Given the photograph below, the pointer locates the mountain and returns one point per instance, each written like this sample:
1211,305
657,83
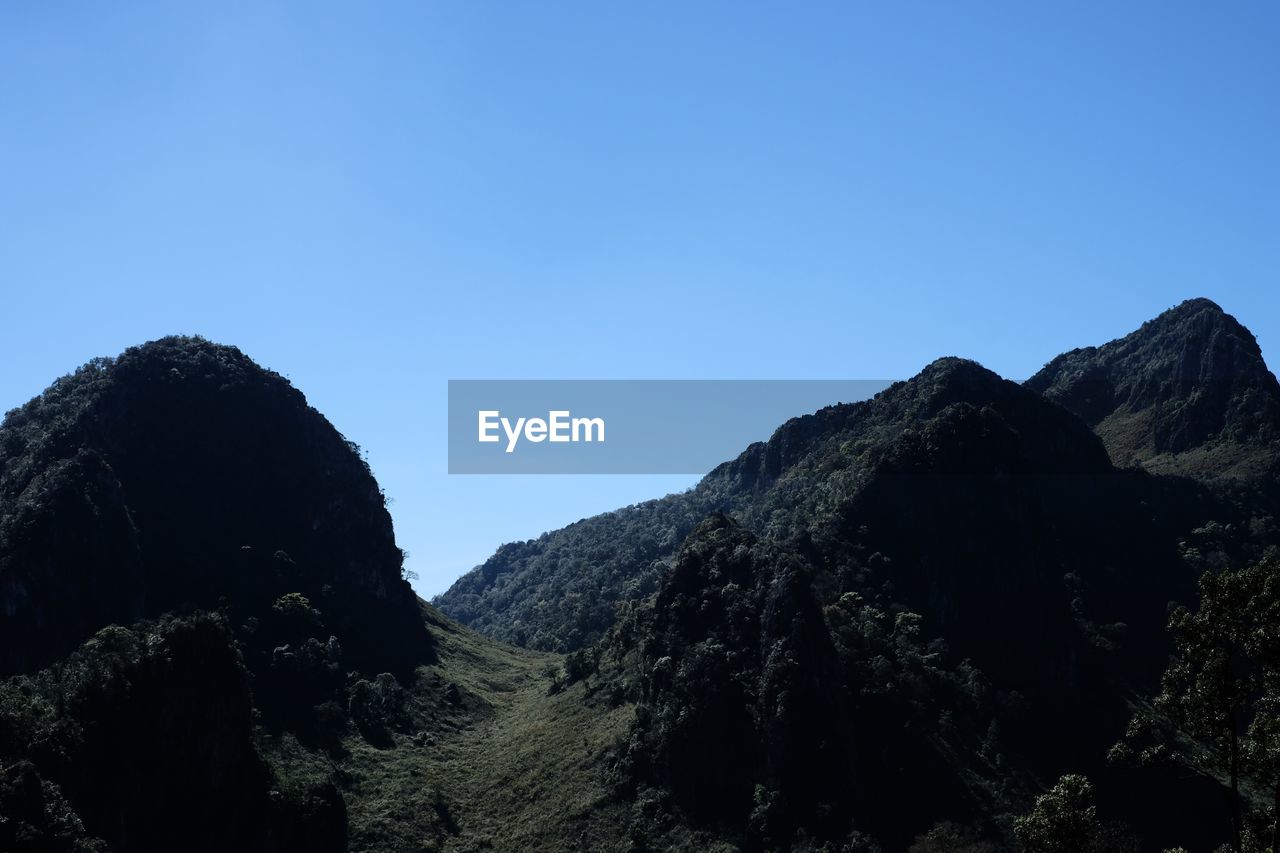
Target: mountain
1187,393
187,549
988,515
209,645
890,627
559,592
969,546
182,475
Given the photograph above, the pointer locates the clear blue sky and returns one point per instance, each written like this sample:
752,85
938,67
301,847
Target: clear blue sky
372,198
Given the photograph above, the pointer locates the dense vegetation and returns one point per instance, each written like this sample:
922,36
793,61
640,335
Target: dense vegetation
559,592
1046,570
990,515
939,620
143,736
182,483
181,474
780,722
1188,393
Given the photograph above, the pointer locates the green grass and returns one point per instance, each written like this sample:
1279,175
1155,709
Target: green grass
508,767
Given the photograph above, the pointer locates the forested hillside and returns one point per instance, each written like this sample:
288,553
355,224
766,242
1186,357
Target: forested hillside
1188,393
967,615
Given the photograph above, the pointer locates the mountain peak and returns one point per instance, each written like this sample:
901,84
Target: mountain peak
952,376
951,364
1194,318
956,368
1188,392
1195,304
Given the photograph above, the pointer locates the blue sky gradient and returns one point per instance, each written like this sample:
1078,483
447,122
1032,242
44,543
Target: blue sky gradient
374,198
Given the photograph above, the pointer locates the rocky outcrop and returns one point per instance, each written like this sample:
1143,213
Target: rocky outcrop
1187,393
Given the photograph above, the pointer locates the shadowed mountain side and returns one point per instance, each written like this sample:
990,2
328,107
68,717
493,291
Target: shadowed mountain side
560,590
182,475
896,620
956,506
142,739
775,722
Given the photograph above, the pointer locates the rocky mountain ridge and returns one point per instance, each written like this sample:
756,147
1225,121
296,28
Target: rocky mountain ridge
1187,394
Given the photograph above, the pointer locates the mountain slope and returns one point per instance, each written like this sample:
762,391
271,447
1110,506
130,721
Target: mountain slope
980,511
901,617
214,649
183,475
956,506
193,565
560,591
1188,393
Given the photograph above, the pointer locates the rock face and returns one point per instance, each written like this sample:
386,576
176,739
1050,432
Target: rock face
1187,393
182,475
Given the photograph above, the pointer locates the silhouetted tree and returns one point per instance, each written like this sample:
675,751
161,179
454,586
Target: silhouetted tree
1218,713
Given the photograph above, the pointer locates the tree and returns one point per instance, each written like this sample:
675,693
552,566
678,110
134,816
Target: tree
948,837
1064,820
1218,713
